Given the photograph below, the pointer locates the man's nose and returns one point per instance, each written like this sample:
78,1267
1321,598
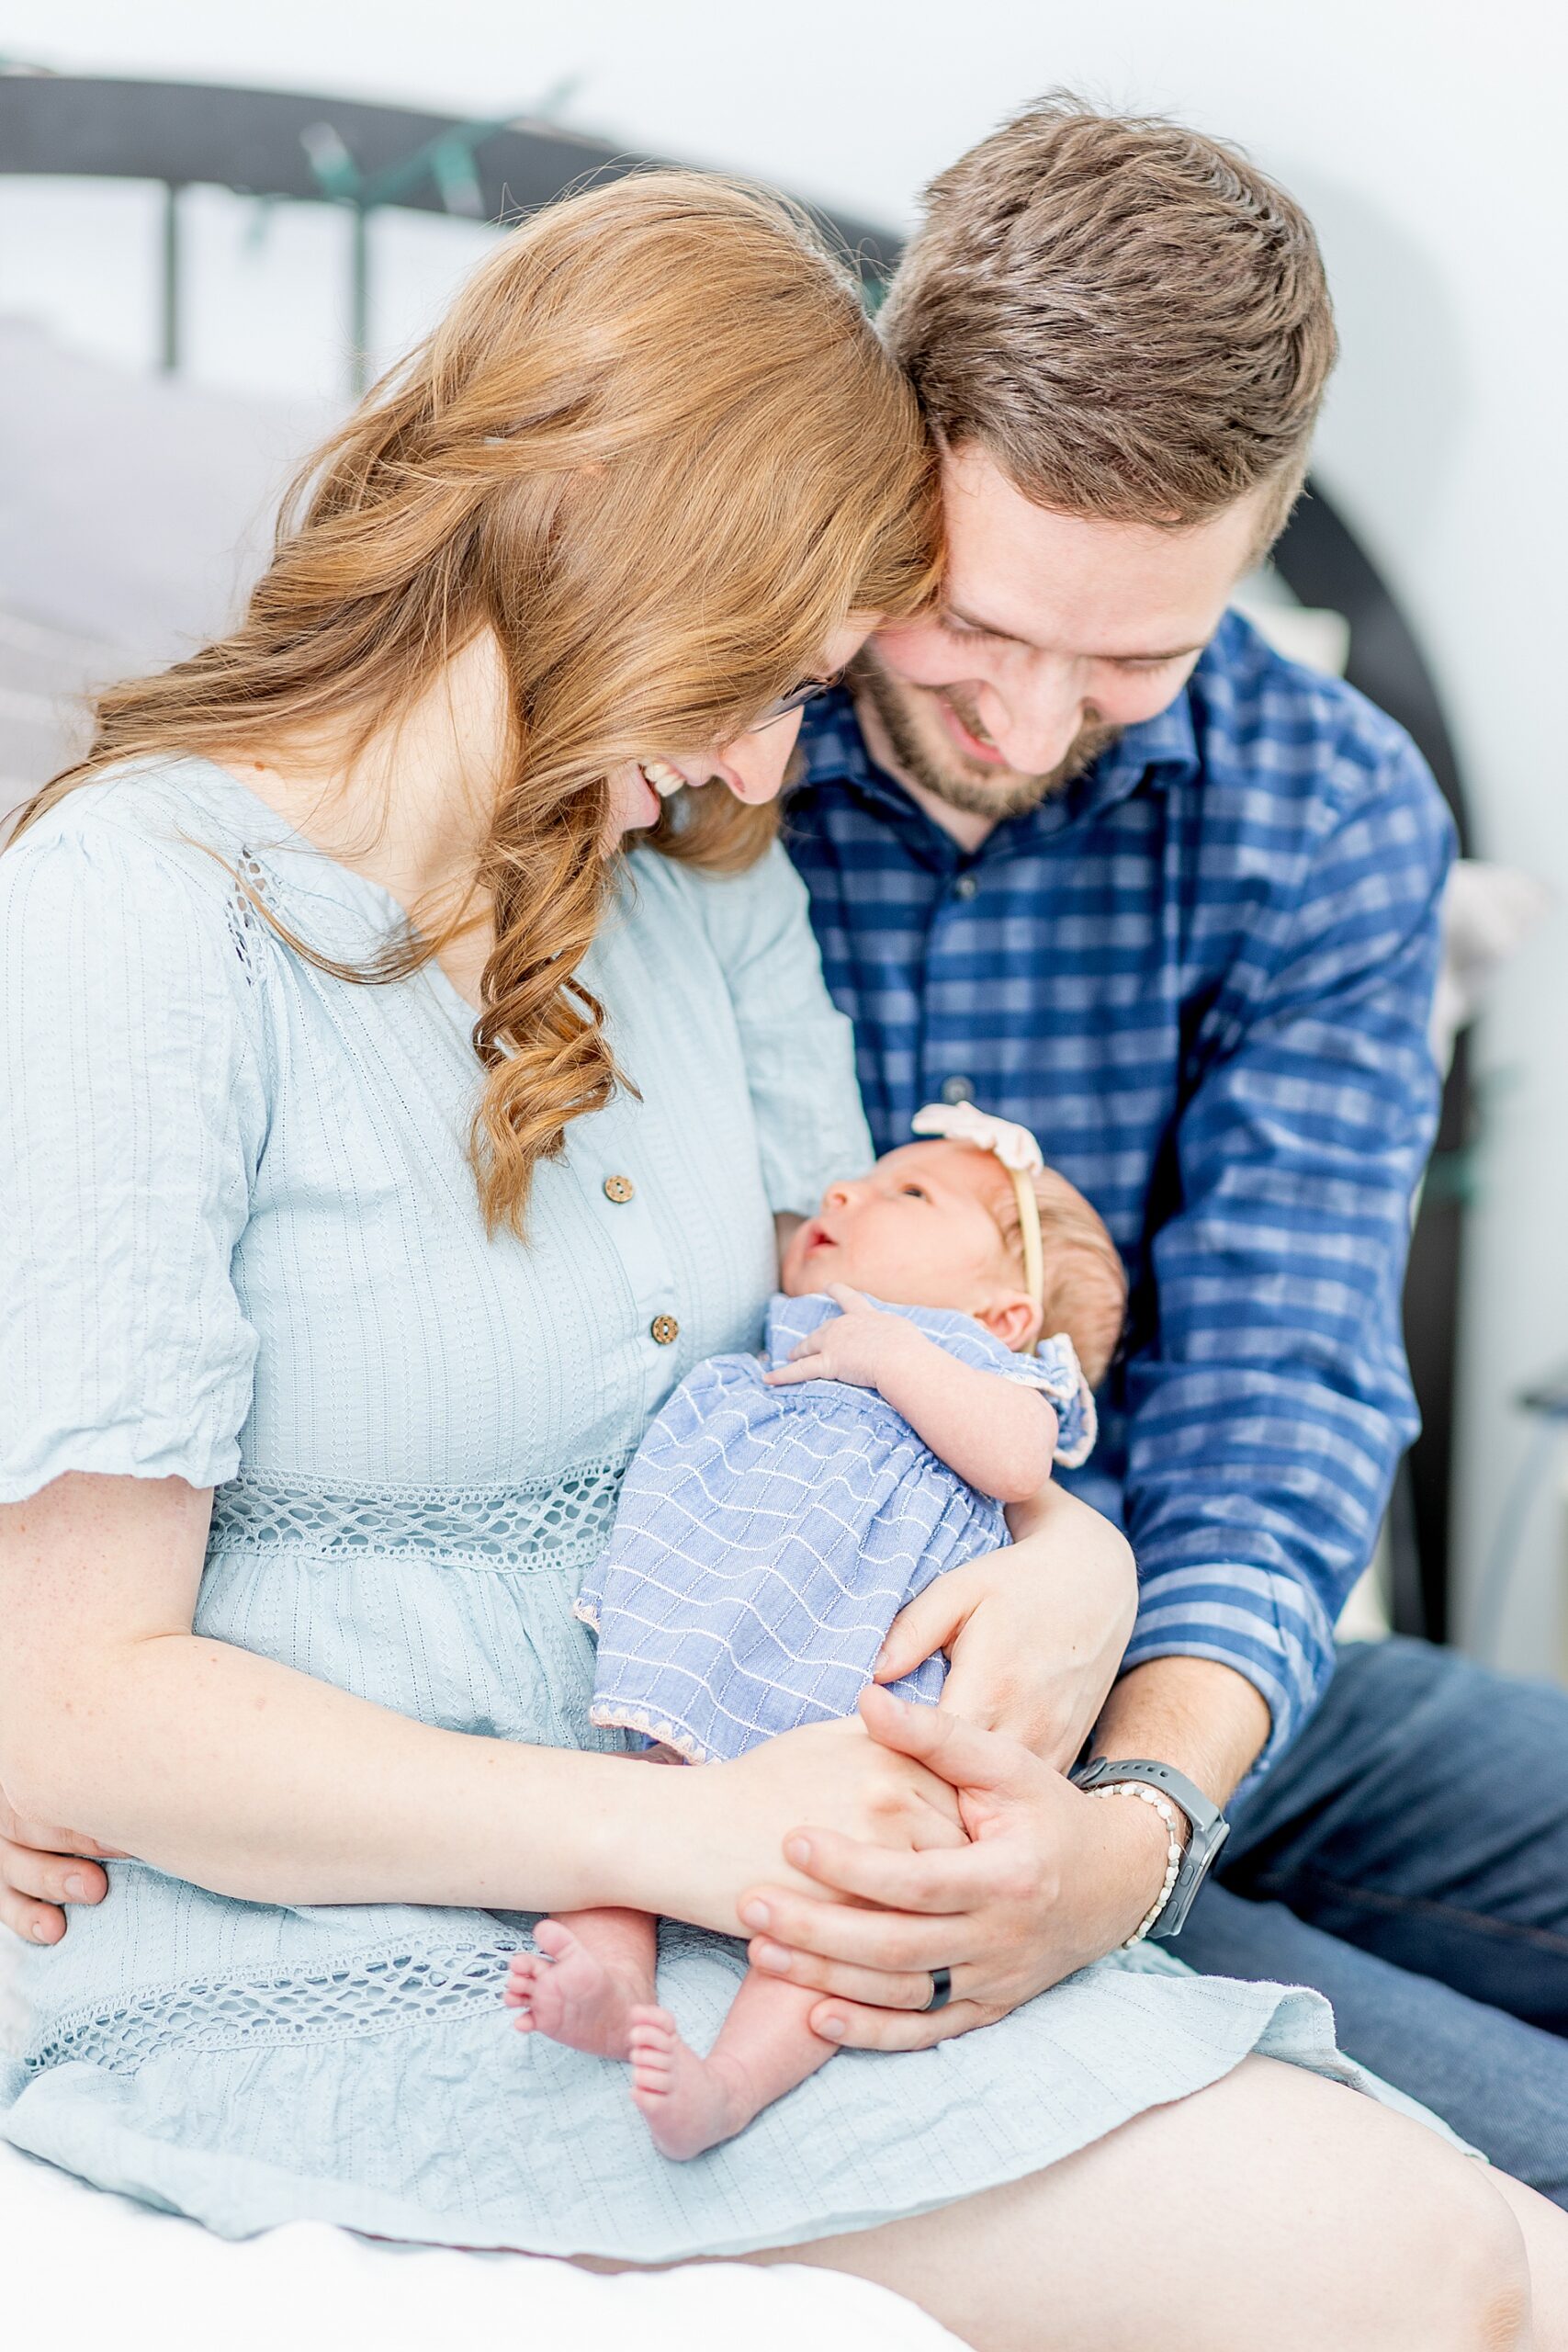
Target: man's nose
1036,715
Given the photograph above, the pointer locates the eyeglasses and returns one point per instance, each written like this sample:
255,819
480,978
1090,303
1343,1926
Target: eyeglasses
810,690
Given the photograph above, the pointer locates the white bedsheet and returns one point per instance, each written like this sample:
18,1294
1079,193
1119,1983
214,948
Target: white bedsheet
80,2271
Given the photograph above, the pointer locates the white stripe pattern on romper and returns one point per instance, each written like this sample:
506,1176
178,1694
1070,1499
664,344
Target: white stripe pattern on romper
767,1538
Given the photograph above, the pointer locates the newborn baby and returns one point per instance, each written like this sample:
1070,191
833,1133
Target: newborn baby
781,1512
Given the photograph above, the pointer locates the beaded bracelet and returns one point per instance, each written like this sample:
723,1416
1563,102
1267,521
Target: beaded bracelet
1168,1813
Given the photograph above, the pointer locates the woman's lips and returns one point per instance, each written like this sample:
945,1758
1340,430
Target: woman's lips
986,754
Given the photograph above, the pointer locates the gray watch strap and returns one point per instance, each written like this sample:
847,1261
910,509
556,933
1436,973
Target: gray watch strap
1209,1826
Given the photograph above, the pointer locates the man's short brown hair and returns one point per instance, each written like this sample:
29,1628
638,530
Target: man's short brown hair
1128,317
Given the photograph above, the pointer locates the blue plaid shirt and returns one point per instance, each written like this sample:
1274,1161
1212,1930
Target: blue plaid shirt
1202,975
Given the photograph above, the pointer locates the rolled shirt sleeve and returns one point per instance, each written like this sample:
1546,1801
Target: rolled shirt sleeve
1268,1409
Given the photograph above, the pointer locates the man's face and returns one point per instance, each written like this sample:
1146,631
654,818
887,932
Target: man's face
1054,632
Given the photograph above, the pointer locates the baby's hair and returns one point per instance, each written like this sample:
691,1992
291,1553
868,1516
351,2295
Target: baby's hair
1085,1282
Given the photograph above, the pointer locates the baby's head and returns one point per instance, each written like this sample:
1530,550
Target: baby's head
939,1223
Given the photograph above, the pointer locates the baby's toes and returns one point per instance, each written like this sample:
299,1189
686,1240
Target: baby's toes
521,1976
651,2040
657,2025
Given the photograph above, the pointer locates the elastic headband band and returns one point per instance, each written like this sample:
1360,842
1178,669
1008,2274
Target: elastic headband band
1033,1240
1019,1155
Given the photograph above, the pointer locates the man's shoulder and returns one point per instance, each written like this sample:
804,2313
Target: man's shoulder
1300,777
1259,718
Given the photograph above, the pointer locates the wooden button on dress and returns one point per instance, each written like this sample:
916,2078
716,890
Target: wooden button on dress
664,1328
619,1188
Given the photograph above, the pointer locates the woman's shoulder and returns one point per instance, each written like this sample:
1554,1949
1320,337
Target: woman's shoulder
165,827
729,905
131,881
756,925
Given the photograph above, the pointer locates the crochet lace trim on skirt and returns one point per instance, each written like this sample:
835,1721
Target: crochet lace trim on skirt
375,1994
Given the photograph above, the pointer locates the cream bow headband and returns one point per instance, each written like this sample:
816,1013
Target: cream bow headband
1019,1155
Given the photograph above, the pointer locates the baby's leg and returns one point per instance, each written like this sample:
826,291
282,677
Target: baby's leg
764,2048
595,1976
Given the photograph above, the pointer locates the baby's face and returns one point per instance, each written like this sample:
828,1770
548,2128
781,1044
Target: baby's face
919,1231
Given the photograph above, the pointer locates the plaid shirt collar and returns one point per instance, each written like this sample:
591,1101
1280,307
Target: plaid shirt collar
1158,751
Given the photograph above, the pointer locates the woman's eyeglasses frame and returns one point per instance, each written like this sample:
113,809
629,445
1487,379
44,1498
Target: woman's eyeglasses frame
810,690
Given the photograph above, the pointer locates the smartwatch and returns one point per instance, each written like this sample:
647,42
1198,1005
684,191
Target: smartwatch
1209,1826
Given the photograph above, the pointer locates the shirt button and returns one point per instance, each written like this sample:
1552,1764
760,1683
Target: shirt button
958,1089
664,1328
619,1188
966,885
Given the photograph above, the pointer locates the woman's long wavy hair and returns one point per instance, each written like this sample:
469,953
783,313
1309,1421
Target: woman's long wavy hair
657,450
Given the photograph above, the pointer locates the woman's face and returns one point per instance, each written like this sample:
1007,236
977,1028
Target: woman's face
751,766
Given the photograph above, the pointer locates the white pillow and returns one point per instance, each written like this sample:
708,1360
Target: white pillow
133,507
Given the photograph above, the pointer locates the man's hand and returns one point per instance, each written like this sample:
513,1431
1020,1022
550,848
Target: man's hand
1035,1633
41,1870
861,1344
1053,1879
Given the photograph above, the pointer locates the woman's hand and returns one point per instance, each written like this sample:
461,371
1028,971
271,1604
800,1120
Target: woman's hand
1053,1879
698,1839
41,1870
1035,1633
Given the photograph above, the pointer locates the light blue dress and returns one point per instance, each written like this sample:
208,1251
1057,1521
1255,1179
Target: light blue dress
766,1538
240,1245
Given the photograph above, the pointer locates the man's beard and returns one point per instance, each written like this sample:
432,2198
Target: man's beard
978,791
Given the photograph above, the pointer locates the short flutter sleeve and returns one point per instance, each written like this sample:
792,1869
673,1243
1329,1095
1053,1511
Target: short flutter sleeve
800,1051
132,1109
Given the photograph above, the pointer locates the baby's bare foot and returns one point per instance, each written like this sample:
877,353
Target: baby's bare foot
570,1994
689,2103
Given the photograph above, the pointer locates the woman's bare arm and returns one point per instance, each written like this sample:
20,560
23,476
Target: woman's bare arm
251,1779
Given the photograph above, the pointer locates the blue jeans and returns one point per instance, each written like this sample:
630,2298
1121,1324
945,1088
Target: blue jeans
1409,1857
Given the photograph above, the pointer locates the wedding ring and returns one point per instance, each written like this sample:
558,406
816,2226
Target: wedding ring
941,1988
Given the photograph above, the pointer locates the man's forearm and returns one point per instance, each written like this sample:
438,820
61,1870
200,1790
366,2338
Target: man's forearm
1205,1719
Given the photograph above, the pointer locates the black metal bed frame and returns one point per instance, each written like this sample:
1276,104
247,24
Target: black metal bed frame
296,147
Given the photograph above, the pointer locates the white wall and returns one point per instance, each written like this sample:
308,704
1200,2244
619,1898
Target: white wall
1425,136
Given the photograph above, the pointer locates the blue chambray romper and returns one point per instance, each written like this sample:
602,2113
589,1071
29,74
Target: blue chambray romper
766,1538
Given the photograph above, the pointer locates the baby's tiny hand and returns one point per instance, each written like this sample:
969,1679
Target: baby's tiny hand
859,1345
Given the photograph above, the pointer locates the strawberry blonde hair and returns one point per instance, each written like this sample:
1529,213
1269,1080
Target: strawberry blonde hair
656,449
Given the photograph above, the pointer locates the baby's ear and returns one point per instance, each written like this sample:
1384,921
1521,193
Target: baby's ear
1013,1318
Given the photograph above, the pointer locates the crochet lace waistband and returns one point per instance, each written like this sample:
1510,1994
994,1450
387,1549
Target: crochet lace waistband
566,1519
